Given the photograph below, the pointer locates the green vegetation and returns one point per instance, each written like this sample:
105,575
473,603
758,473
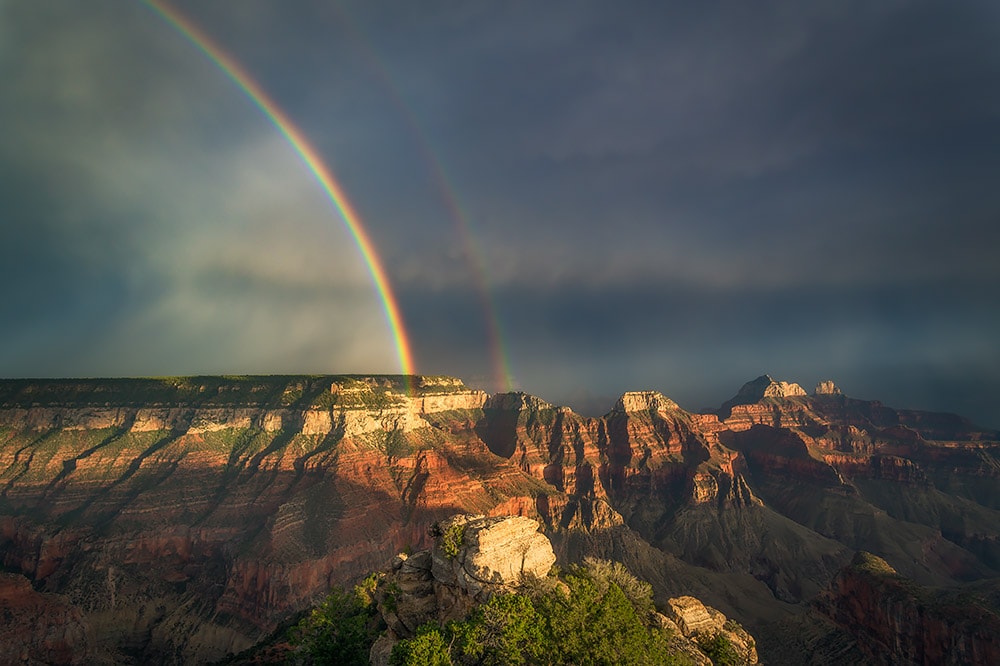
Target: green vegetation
452,540
866,562
393,444
597,614
272,391
340,630
720,650
586,619
604,574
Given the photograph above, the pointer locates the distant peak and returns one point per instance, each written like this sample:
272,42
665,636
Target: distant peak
766,387
763,387
644,401
827,387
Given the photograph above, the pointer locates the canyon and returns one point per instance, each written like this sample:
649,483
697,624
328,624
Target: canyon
181,520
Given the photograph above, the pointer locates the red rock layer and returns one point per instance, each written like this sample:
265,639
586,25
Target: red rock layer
193,528
897,622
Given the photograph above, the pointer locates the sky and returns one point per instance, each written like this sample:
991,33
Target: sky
573,199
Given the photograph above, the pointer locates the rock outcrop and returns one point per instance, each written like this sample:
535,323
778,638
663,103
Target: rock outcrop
40,628
898,622
189,516
644,401
696,621
481,555
475,557
472,558
763,387
826,387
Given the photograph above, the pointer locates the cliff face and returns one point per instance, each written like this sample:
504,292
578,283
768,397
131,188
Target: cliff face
190,527
182,518
60,634
898,622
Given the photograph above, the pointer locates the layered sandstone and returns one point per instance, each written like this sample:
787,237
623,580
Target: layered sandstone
898,622
188,516
483,555
242,512
763,387
694,620
43,628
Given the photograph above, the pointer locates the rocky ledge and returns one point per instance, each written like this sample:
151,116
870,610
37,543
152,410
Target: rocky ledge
476,557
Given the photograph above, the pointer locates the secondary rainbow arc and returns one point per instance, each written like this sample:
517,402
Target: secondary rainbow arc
503,377
297,139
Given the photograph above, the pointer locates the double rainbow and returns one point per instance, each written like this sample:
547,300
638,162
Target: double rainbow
312,159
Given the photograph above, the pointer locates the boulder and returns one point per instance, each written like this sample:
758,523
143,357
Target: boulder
692,617
482,555
694,620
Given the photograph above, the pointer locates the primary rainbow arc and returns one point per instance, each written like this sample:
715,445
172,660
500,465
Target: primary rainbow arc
232,69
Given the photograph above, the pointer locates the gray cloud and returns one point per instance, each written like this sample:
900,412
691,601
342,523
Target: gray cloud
150,241
659,196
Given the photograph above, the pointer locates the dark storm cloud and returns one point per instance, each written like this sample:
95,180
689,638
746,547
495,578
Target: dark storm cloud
661,195
700,345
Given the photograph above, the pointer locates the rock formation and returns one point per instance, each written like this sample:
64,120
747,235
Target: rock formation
42,628
472,558
475,557
763,387
481,555
694,620
190,516
826,388
899,622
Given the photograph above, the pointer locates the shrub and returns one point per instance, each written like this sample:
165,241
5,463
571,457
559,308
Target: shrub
453,539
590,627
427,648
604,574
338,631
504,630
393,444
720,649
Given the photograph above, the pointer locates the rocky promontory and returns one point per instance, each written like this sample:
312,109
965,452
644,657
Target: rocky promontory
474,558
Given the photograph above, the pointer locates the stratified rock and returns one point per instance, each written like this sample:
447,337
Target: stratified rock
644,401
482,555
692,617
764,400
207,510
765,387
896,621
190,516
38,628
695,620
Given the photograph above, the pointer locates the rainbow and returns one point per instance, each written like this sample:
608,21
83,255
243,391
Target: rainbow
502,376
231,68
